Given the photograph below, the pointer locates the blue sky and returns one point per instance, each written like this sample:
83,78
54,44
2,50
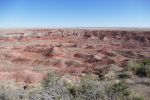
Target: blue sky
74,13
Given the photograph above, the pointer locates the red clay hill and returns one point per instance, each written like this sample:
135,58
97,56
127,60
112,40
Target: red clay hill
27,55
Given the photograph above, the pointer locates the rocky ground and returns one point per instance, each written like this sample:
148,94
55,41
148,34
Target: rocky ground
27,55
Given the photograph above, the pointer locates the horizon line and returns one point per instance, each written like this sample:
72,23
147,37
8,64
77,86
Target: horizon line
85,28
69,27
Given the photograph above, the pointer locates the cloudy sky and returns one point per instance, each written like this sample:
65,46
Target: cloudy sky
74,13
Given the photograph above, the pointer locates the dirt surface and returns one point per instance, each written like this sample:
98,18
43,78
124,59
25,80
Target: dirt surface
27,55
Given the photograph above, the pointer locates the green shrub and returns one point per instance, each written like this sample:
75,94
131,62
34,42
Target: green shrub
87,89
90,89
73,90
146,62
141,68
124,75
118,91
55,88
138,98
133,66
50,79
10,92
143,71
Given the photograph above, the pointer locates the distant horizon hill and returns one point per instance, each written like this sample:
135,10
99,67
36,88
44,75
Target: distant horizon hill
88,28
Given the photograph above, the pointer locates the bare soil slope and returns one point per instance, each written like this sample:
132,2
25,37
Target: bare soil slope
26,55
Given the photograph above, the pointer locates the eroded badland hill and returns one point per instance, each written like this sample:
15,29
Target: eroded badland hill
27,55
